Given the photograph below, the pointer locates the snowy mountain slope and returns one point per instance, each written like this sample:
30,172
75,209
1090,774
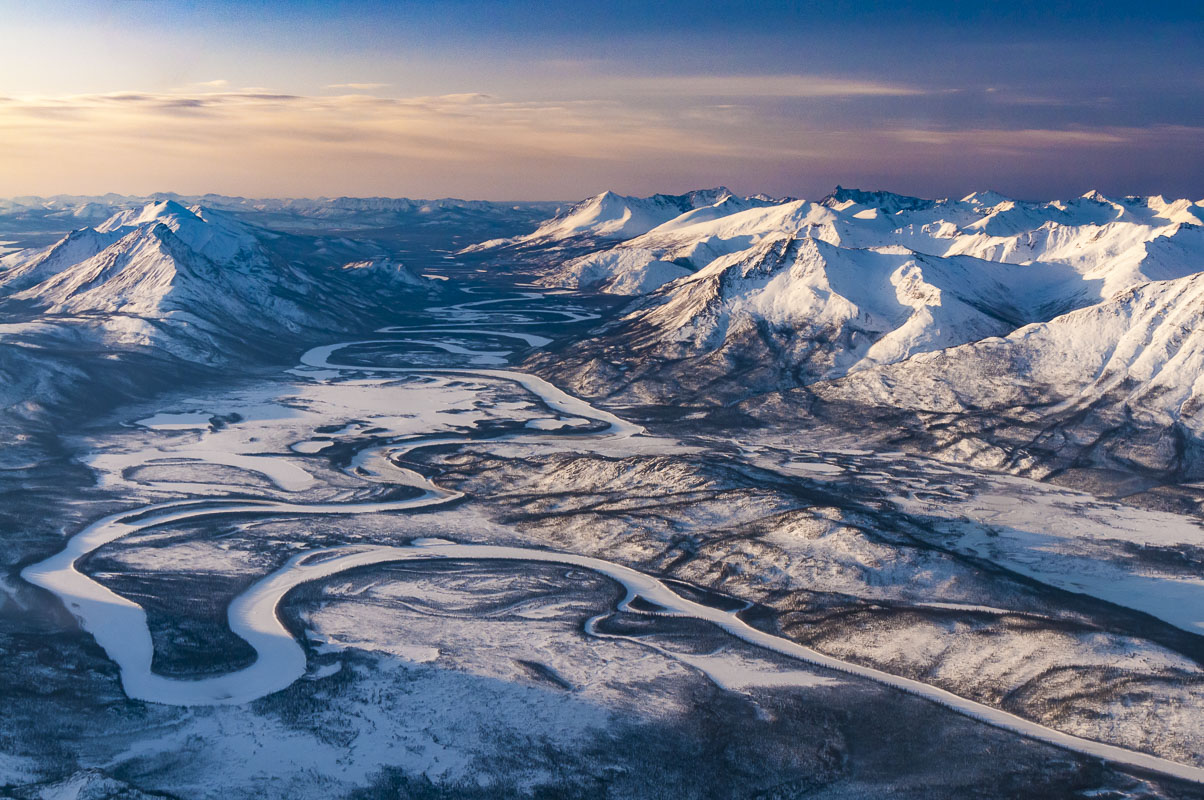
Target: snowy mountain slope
1033,336
168,259
1114,256
823,311
384,273
614,217
889,203
1111,244
1140,354
1106,398
186,279
792,310
21,270
54,366
686,244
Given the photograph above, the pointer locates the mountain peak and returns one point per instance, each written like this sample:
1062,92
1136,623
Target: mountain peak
710,196
154,211
987,199
888,202
385,270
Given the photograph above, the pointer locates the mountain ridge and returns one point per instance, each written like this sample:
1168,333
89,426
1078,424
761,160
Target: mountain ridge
193,280
986,328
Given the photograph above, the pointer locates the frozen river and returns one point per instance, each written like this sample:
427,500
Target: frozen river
119,624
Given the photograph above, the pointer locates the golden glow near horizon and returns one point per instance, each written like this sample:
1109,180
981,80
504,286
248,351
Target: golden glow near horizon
460,98
262,143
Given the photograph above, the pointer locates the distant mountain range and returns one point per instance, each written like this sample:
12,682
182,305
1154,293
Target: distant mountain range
467,221
637,245
194,281
1033,337
1059,321
161,294
610,217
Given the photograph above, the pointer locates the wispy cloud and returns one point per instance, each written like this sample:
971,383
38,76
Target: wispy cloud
1015,98
798,86
358,87
218,83
1020,139
260,142
476,144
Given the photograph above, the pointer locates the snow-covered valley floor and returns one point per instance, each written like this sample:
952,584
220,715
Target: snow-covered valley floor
401,562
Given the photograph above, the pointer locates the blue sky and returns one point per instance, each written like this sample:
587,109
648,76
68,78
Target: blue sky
560,100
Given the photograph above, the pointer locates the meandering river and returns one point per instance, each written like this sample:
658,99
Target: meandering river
119,625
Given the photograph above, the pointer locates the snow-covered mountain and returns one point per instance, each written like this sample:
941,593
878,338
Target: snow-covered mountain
1068,316
1032,317
385,274
191,280
40,219
1090,380
1113,244
159,294
683,245
830,310
818,290
1143,348
610,217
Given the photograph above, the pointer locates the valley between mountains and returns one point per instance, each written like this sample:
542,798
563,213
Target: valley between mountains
683,496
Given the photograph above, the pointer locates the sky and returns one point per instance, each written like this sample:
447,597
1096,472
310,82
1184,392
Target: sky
561,100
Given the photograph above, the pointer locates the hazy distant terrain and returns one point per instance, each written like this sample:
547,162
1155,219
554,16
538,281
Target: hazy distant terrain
682,496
